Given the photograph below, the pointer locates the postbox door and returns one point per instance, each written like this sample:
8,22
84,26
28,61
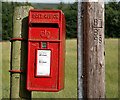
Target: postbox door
46,39
43,70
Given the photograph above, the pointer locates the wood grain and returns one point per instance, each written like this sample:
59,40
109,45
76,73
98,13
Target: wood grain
93,51
19,54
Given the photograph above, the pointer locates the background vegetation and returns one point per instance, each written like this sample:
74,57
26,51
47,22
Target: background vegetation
112,18
7,18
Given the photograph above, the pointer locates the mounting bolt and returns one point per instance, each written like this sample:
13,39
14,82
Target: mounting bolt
82,76
18,18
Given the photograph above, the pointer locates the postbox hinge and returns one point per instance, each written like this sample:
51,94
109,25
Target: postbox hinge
14,71
19,39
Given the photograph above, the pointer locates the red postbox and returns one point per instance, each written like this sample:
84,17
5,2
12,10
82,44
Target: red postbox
46,50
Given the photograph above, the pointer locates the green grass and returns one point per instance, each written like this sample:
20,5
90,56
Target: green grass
111,67
5,69
70,91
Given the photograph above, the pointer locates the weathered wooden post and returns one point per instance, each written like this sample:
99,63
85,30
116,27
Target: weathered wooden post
19,54
118,68
1,50
93,51
79,51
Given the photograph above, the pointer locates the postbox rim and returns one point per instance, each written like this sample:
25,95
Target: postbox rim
46,10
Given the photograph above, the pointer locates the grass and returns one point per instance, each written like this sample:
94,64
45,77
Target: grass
111,67
70,91
5,69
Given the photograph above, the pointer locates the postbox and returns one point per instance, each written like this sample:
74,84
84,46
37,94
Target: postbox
46,50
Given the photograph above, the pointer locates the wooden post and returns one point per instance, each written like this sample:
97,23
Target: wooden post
79,51
0,69
118,68
93,51
19,54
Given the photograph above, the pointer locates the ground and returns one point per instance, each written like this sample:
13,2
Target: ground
70,91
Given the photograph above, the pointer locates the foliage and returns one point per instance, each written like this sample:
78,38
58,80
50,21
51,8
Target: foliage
60,6
112,19
7,18
70,13
27,4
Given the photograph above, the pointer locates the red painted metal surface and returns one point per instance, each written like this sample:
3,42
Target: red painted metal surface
14,71
46,26
19,39
48,16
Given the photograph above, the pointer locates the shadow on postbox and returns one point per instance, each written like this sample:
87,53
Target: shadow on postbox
46,50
